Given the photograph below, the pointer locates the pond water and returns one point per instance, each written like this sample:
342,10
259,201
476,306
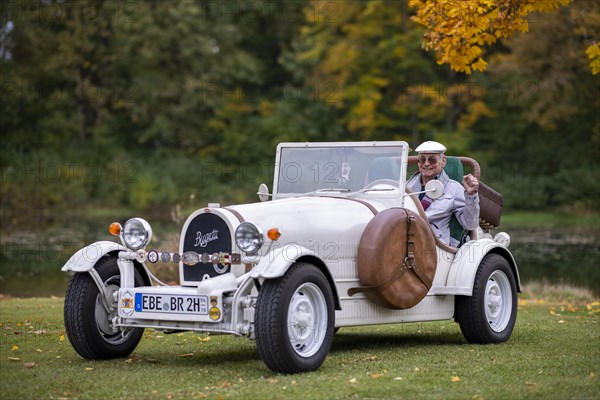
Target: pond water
31,255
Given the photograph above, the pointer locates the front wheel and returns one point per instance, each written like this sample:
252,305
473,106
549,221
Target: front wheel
88,324
294,320
489,315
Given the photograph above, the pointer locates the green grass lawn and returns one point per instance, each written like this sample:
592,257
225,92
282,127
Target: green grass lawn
547,218
554,353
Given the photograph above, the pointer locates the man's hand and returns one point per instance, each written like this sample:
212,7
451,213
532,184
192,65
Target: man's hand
471,184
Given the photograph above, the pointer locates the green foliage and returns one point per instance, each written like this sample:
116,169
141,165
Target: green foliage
147,104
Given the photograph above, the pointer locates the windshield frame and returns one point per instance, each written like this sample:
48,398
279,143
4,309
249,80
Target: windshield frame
395,146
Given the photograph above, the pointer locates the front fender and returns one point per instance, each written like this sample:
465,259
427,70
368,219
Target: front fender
85,259
461,276
276,262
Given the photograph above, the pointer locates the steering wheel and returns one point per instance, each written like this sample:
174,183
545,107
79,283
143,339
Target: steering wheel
382,182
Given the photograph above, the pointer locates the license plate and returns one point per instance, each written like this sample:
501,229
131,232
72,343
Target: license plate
171,304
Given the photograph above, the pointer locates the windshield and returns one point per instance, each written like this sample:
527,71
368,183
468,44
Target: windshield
338,168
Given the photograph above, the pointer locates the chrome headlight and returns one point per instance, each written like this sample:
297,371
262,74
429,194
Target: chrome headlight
249,237
137,233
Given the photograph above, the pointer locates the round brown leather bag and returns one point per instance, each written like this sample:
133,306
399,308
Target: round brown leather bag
396,259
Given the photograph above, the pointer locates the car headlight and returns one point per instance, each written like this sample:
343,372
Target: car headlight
249,237
136,233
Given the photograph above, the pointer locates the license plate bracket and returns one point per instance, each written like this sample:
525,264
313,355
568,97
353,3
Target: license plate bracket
149,303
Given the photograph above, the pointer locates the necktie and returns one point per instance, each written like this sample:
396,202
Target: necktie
425,201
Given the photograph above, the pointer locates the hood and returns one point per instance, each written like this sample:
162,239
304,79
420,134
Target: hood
310,219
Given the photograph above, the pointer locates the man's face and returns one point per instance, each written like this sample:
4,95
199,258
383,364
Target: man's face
431,165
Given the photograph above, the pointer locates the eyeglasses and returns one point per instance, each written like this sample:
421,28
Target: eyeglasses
432,160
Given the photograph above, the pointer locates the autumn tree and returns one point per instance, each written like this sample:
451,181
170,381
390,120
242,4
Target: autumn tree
459,30
367,59
545,101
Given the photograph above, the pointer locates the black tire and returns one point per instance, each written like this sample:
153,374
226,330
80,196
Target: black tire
489,315
86,321
294,320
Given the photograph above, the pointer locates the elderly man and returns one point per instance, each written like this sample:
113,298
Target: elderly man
459,200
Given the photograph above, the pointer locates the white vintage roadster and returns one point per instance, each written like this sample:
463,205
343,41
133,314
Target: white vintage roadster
341,243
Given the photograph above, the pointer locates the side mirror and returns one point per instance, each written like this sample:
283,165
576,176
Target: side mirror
263,192
434,189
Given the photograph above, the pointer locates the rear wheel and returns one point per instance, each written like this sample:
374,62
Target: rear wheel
489,315
294,320
88,325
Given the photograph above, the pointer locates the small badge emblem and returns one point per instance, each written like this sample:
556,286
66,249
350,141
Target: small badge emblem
203,240
127,304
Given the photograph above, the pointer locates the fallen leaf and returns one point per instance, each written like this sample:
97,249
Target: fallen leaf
204,339
455,379
353,380
370,358
89,369
40,332
398,378
14,359
561,321
61,338
29,365
134,358
375,376
14,348
592,375
185,355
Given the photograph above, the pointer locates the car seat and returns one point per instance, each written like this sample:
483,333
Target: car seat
455,171
383,168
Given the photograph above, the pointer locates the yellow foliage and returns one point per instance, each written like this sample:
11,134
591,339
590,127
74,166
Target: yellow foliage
457,29
593,53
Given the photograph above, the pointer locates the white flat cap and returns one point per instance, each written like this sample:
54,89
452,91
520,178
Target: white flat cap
430,147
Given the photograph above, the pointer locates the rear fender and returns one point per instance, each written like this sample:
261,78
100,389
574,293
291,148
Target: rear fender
461,276
85,259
